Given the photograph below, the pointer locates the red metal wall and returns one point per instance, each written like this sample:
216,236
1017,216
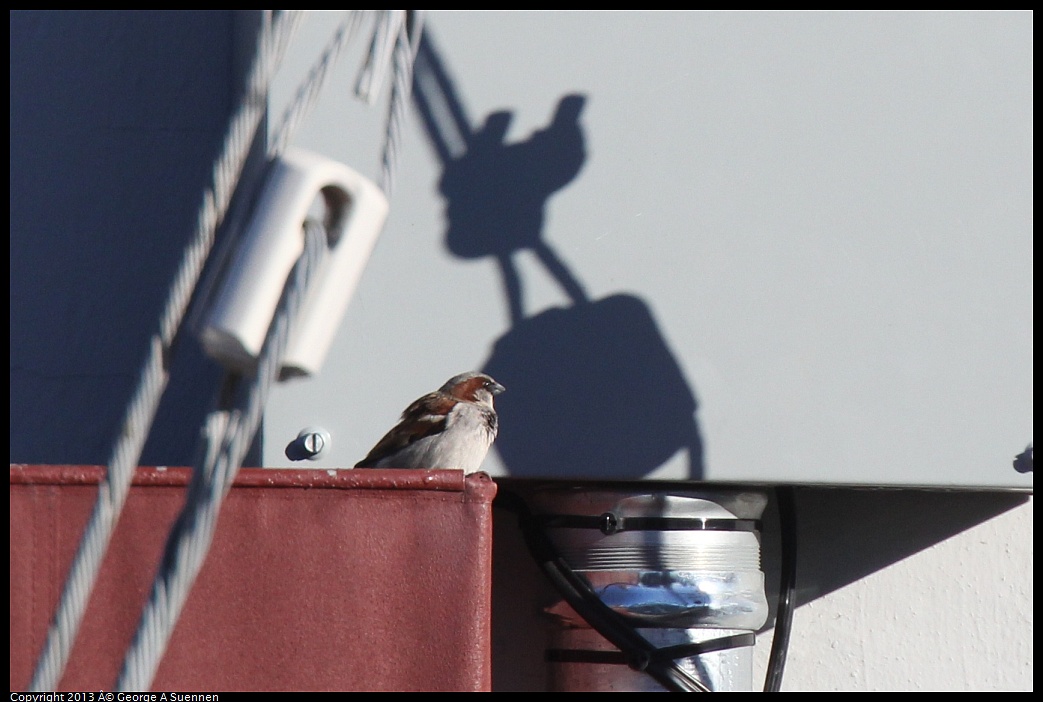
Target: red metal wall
317,580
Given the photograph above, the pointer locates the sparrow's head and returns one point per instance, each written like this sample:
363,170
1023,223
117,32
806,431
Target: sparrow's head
473,387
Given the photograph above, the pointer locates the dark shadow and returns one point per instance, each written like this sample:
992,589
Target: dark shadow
845,534
593,389
600,394
1023,461
116,120
521,629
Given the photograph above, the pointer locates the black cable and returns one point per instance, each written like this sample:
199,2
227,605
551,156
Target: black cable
786,498
558,655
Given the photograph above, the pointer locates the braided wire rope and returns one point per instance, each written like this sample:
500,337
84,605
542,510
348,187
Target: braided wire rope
229,432
406,45
308,92
154,375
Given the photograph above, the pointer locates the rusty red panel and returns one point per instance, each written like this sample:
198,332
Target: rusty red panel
316,580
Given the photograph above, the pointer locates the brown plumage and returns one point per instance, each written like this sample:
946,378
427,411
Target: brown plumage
452,427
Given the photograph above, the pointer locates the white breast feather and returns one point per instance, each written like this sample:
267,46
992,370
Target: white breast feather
462,445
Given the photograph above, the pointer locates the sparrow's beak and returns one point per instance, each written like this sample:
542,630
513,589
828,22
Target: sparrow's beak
496,388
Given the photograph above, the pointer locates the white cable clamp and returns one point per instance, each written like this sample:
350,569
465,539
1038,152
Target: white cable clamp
243,307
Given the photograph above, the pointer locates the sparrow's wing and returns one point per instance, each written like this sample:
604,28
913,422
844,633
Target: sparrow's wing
424,417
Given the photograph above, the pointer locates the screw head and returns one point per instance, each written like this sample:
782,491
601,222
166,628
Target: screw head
311,443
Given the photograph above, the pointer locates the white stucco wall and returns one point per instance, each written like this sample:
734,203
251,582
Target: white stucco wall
954,617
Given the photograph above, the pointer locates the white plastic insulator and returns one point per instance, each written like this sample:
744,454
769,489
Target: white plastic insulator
243,309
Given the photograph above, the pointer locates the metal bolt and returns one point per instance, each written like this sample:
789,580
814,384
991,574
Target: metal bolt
313,444
310,443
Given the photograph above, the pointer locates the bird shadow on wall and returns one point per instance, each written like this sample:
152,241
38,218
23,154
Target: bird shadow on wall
593,389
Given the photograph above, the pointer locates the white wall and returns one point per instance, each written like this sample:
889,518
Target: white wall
954,617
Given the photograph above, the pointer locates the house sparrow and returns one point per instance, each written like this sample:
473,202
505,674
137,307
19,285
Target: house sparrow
450,428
